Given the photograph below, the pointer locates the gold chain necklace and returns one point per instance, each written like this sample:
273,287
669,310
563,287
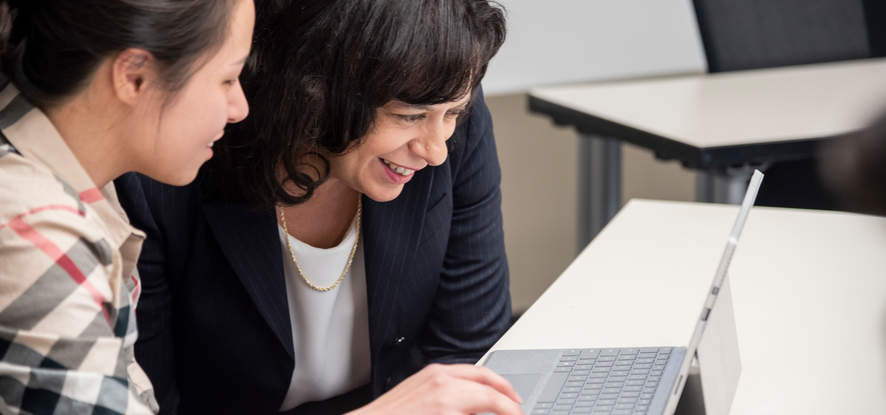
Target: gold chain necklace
350,257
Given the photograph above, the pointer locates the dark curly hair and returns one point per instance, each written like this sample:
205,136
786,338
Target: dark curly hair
320,69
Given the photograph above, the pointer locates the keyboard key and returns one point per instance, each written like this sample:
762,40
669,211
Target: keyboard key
572,389
629,406
590,353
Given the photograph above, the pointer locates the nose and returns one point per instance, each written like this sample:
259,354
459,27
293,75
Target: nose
238,108
431,146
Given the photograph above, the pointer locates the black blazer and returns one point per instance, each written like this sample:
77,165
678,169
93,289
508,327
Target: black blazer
214,329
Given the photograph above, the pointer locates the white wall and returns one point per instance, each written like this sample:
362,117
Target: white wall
557,41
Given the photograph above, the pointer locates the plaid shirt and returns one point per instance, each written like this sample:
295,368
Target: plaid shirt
68,283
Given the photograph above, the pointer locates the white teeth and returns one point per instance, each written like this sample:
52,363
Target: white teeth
211,143
403,171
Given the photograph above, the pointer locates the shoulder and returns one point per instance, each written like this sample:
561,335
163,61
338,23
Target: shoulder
47,231
472,130
29,189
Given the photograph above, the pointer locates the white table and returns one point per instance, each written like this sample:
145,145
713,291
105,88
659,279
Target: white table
720,124
809,293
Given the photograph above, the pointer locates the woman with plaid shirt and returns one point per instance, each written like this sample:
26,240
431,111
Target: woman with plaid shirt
94,89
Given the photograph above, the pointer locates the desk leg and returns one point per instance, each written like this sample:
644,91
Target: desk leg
599,185
722,186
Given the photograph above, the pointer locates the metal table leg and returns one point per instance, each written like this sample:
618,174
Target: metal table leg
599,185
722,186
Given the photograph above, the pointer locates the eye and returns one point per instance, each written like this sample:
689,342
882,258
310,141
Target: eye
410,118
455,113
230,82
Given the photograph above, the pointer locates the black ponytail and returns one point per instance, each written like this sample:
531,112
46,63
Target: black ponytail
58,44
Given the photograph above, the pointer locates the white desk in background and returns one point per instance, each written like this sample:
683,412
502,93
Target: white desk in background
808,290
721,124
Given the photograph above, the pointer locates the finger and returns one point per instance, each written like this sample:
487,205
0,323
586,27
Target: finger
485,376
478,398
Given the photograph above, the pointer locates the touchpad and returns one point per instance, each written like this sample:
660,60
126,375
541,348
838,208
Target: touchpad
523,384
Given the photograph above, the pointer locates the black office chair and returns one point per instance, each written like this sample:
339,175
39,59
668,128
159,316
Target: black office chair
751,34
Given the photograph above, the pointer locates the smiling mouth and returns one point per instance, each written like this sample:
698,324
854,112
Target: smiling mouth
396,168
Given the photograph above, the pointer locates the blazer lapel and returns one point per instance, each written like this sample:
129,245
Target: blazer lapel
251,245
391,233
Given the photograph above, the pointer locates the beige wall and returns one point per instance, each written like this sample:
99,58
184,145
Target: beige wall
539,164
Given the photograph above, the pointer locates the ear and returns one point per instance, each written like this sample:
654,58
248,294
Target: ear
132,71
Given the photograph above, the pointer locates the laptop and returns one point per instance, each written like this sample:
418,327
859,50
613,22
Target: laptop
639,380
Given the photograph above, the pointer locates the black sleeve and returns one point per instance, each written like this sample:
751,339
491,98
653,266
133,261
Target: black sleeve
150,206
472,307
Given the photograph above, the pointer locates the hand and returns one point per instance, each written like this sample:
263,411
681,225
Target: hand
448,389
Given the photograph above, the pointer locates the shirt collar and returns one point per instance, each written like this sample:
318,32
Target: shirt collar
31,132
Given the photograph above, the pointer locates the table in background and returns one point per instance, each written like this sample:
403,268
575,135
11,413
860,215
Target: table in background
721,124
808,287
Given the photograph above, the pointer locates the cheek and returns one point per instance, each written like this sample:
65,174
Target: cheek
388,141
194,120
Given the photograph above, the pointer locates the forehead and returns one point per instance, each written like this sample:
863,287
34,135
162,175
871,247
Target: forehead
238,40
463,100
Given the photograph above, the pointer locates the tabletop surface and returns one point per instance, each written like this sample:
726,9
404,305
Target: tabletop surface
809,293
737,108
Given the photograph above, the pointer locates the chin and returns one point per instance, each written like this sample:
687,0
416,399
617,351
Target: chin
384,195
181,178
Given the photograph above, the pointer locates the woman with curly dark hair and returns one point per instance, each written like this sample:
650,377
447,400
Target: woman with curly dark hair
348,234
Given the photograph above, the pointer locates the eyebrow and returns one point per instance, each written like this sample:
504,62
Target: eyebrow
241,61
423,107
420,107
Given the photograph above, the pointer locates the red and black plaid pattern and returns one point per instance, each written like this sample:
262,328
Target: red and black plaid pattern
68,283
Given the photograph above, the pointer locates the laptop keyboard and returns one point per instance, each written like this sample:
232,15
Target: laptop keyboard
604,381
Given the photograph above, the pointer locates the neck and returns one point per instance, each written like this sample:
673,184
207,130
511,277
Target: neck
324,219
90,137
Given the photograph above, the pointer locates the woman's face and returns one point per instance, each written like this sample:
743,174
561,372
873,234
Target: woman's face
196,117
405,138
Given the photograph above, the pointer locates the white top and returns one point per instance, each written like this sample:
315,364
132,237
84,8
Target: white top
808,292
742,107
330,330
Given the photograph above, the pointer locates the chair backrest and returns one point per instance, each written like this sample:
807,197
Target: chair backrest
749,34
